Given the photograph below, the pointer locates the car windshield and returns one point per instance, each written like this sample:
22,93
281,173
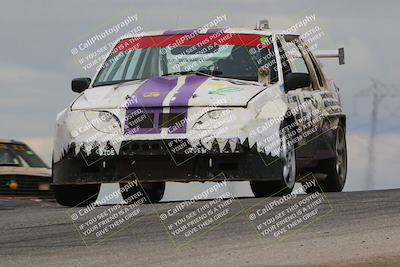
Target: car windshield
237,56
19,155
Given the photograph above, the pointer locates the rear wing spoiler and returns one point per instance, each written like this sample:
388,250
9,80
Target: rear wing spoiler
323,54
331,54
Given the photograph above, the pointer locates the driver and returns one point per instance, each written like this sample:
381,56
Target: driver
238,64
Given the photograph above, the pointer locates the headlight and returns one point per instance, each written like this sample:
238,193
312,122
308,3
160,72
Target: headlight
104,121
213,119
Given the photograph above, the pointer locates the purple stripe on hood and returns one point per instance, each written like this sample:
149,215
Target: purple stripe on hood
180,101
148,99
152,92
186,91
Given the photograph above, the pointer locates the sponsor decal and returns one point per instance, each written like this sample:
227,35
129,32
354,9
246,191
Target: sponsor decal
264,40
151,94
224,90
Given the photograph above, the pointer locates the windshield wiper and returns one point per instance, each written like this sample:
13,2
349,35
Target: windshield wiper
114,82
202,72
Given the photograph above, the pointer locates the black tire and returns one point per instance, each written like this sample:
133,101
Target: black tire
153,191
269,189
76,195
335,168
285,185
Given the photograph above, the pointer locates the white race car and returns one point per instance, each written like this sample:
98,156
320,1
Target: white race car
202,105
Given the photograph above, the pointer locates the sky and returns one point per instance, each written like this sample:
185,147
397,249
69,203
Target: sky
36,63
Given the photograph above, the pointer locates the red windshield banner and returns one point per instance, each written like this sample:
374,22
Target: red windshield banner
251,40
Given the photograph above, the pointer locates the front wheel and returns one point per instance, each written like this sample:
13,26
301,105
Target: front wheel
76,195
286,183
334,168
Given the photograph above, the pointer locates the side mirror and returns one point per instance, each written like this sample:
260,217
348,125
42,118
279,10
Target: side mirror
297,80
80,84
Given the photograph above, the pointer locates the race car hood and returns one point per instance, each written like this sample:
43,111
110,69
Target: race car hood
174,91
11,170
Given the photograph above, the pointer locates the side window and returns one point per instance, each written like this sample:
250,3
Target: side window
296,58
301,61
284,60
317,72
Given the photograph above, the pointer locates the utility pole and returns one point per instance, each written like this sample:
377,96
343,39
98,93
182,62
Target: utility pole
379,91
370,172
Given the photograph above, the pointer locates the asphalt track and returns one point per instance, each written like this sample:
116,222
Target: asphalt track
350,229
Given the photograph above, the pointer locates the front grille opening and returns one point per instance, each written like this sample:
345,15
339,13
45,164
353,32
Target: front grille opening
125,150
228,166
155,146
134,146
141,120
145,147
90,169
167,120
26,185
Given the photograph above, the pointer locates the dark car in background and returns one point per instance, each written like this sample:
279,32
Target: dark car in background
22,172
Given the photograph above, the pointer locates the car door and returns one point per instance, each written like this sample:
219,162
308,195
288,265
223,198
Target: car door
305,103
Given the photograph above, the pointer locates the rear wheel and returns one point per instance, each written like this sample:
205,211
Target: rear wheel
76,195
335,168
153,191
285,185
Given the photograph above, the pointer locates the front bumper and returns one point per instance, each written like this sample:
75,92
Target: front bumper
25,185
157,160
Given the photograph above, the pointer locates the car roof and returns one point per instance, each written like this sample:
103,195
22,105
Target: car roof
208,31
